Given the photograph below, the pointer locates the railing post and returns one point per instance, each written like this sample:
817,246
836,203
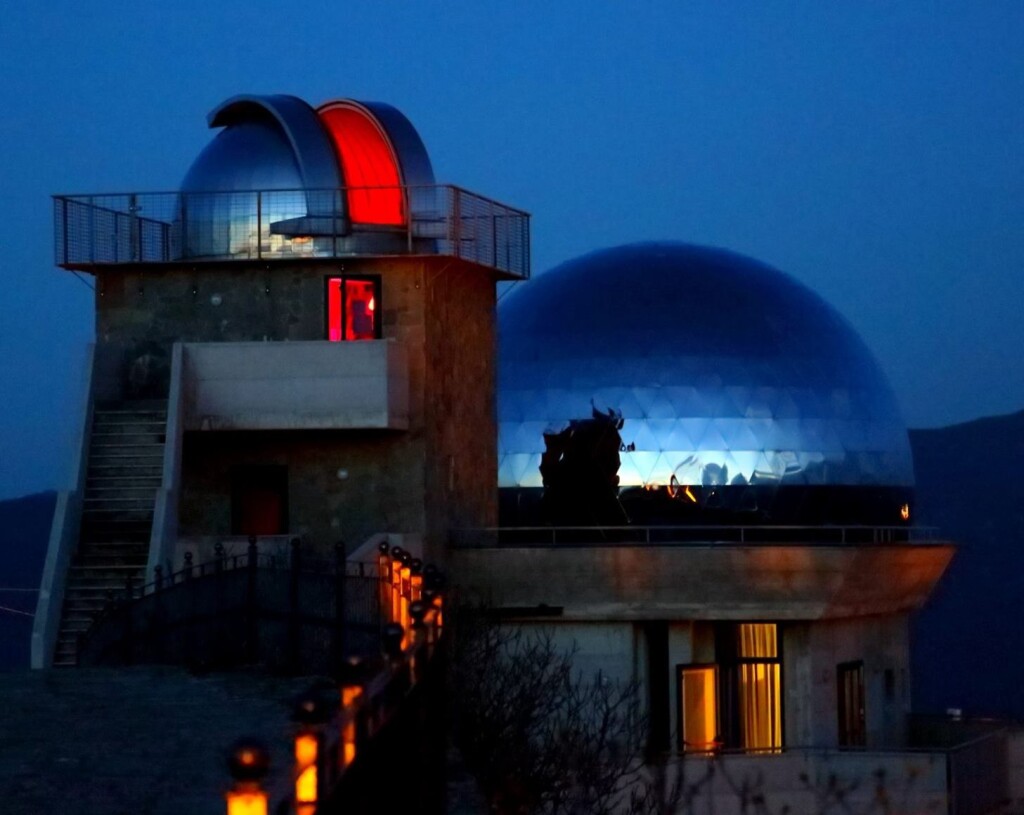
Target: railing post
259,224
311,714
294,632
92,231
184,225
134,227
251,645
457,221
129,590
338,640
64,226
383,580
408,218
188,566
248,763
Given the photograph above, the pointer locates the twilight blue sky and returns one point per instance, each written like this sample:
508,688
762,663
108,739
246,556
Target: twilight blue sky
875,151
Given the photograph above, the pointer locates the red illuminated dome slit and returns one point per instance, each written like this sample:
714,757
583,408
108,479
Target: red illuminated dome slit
368,164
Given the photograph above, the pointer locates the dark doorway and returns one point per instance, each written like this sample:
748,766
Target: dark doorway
850,677
259,500
658,733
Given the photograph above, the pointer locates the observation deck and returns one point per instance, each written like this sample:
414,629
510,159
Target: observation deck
701,572
155,229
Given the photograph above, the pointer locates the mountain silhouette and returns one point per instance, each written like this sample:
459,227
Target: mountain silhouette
24,532
968,641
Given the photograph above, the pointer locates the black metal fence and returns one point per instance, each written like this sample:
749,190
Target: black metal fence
196,227
287,614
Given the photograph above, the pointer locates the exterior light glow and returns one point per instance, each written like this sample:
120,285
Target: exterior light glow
349,699
905,512
247,801
306,748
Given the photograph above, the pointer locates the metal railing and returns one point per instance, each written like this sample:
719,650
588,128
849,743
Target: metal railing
271,225
281,609
515,536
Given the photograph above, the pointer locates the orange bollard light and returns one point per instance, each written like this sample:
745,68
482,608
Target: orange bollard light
307,749
311,713
416,579
384,577
350,697
248,763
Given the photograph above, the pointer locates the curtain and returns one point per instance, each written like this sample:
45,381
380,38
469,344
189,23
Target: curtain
760,698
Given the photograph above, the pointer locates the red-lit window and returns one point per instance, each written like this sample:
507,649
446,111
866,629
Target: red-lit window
353,304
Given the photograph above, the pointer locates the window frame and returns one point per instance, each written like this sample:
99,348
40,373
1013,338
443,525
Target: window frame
681,668
729,662
378,296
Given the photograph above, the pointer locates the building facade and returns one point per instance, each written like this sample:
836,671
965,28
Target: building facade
682,462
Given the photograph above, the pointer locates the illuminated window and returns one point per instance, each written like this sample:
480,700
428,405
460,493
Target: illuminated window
353,304
698,707
751,687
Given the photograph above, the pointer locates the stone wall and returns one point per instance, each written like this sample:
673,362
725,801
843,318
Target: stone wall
439,472
462,456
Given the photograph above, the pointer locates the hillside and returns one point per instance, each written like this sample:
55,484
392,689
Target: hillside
24,530
969,639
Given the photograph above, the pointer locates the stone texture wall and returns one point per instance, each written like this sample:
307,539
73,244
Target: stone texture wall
462,456
440,472
380,493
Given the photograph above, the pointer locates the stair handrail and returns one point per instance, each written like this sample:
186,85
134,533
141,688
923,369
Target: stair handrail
64,532
164,532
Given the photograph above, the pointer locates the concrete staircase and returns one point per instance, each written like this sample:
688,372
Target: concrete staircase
125,465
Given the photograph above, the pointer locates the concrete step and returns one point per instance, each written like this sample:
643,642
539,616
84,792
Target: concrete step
126,531
93,513
119,496
126,439
142,424
117,502
84,606
120,482
120,469
112,547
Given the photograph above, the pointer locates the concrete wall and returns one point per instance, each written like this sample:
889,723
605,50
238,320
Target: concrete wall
1015,768
462,431
380,490
296,385
814,782
439,471
811,653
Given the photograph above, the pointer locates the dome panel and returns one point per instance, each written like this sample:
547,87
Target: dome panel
716,363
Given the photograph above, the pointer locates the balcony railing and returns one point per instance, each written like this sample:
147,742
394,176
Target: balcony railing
702,536
276,225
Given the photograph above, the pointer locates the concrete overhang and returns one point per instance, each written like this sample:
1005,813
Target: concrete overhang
296,385
694,582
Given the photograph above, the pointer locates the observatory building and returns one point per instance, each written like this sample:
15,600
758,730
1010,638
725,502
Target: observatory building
297,343
679,459
705,485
